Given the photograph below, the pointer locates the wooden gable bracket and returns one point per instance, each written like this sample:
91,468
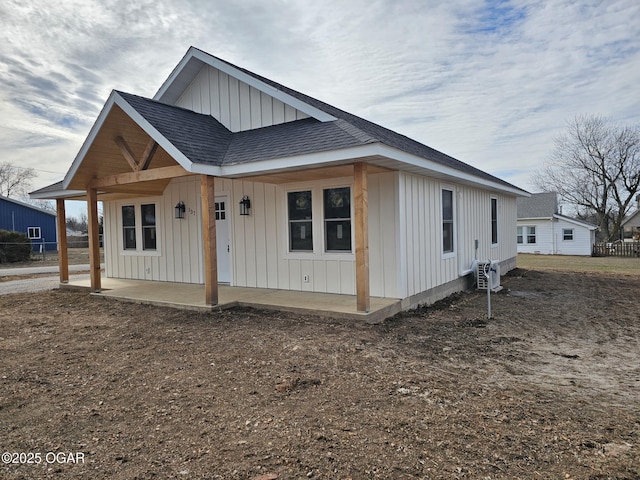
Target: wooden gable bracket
147,155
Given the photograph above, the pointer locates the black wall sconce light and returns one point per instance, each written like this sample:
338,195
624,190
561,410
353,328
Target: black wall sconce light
180,209
245,205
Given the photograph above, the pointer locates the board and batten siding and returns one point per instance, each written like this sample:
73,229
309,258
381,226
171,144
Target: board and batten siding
179,253
420,231
260,241
405,236
235,104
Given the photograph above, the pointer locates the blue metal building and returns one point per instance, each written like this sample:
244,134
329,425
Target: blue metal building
38,224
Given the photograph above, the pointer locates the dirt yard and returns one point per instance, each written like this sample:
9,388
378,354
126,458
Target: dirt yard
548,388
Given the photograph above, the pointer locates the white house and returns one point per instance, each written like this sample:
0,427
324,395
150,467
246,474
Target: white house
228,177
541,229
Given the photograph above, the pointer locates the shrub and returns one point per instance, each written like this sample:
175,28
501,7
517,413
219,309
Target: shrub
14,247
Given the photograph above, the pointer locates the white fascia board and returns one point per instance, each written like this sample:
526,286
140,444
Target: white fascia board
246,78
115,99
66,194
320,159
448,172
345,154
575,221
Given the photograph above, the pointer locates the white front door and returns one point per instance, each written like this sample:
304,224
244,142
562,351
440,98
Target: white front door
222,240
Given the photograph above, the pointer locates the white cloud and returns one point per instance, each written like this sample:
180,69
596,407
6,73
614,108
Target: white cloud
489,83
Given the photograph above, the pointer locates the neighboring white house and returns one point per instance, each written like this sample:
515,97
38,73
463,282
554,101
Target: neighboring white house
337,204
631,226
541,229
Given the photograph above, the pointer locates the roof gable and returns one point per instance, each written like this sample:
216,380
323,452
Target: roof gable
202,144
193,62
538,205
576,221
195,59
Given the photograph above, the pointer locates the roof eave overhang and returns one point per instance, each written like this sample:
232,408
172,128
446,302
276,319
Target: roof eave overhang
375,153
116,99
56,194
580,223
174,86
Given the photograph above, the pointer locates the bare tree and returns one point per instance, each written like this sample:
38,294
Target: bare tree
595,166
15,181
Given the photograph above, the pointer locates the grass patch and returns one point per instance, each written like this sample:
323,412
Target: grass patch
611,265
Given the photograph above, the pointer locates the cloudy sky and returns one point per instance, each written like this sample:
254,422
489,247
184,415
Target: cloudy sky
488,82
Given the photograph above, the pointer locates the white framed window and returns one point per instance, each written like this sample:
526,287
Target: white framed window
149,232
34,233
128,227
139,227
300,218
337,219
526,234
494,221
448,221
319,219
567,234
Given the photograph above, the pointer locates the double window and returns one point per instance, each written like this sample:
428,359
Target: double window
34,233
526,235
139,221
335,213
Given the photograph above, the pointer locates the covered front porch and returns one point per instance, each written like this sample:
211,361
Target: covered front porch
192,297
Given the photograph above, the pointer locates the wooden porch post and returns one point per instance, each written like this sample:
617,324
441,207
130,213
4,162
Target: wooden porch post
63,254
207,194
94,239
361,199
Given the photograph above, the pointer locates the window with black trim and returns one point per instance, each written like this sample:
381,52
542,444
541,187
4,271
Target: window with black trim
337,219
447,221
494,221
148,213
34,233
129,227
300,221
567,234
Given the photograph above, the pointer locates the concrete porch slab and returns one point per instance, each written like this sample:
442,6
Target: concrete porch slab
191,297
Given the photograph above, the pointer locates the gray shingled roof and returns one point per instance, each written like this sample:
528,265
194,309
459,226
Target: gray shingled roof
202,139
538,205
380,133
293,138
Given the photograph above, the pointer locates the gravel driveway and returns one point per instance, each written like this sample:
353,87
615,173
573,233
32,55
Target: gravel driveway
30,285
